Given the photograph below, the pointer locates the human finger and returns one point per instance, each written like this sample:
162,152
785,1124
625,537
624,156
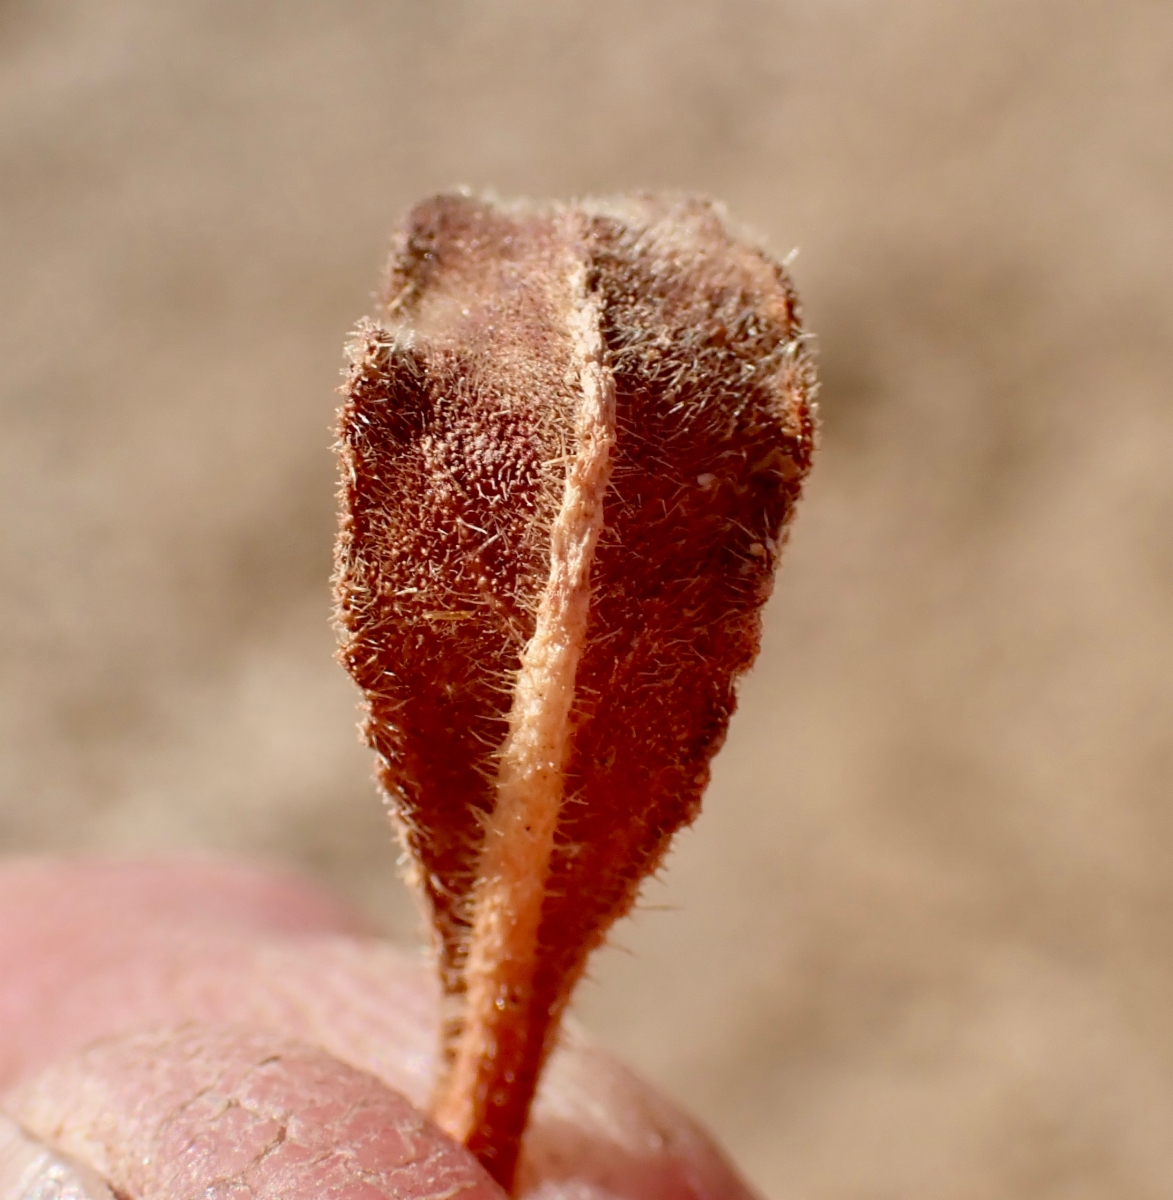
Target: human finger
222,1112
157,946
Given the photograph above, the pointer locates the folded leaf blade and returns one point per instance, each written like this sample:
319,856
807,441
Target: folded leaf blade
571,447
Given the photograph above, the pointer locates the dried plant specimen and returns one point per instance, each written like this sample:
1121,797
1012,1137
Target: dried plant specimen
571,444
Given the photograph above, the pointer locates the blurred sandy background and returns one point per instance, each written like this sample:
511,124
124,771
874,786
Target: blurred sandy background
921,942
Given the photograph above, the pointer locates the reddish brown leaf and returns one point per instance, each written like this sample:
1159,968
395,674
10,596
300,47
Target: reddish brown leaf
571,444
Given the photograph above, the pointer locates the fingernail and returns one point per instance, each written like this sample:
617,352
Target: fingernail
32,1170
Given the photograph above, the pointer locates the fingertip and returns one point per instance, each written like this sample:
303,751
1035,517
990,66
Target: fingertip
224,1112
114,947
30,1169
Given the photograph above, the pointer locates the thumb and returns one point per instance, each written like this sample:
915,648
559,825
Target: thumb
94,955
31,1168
222,1112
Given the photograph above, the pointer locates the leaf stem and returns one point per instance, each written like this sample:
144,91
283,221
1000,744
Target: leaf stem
503,1039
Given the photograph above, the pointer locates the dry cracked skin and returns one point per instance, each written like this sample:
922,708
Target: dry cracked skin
177,1030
